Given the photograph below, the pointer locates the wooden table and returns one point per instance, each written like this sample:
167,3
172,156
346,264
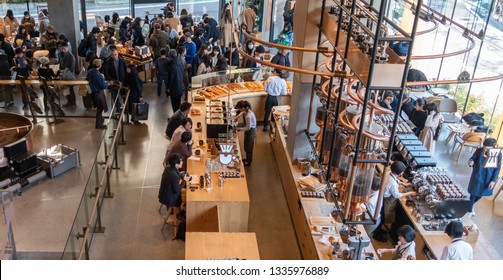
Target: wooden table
221,245
437,240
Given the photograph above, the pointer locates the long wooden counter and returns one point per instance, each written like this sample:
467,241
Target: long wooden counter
302,209
221,245
437,240
223,209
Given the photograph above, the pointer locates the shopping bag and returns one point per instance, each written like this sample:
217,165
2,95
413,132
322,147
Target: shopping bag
140,111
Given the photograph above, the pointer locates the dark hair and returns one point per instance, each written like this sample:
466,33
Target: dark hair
243,104
115,18
387,94
397,167
95,30
198,32
164,51
172,54
2,37
260,49
489,142
45,11
186,136
376,183
454,229
419,102
10,14
287,25
207,60
277,70
169,14
52,52
430,107
29,53
180,49
183,12
18,50
157,26
186,121
26,13
62,36
185,106
221,64
407,233
137,21
202,49
226,13
174,159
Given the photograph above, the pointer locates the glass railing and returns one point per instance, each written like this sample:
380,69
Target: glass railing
8,249
87,221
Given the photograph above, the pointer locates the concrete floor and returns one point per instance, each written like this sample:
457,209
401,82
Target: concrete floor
45,211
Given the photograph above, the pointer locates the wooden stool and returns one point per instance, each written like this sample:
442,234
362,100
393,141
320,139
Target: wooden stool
171,211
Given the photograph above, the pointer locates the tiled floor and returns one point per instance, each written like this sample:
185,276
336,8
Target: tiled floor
45,211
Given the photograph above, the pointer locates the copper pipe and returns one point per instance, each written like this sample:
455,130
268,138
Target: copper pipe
379,110
435,26
343,119
433,56
292,69
377,137
278,46
446,82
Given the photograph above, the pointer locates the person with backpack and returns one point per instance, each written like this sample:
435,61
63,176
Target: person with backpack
106,51
432,126
281,58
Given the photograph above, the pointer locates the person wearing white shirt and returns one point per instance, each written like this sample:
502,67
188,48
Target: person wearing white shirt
457,249
372,204
391,194
275,86
249,128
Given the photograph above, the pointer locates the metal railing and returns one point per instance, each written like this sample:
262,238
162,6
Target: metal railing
87,221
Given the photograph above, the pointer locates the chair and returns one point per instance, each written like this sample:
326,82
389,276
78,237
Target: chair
434,99
448,107
171,211
470,139
499,186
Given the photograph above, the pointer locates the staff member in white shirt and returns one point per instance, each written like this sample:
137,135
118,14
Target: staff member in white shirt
275,86
457,249
250,128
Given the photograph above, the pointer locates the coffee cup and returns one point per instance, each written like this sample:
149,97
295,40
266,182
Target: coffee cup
198,152
198,125
201,142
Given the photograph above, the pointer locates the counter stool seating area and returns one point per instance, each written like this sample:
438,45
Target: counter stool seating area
471,140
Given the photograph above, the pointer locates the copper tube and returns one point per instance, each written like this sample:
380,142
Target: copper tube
446,82
292,69
269,44
368,134
433,56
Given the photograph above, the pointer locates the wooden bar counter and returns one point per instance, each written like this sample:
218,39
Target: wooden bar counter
436,241
224,209
302,209
221,245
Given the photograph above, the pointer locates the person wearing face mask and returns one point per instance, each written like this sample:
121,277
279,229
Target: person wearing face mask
43,22
232,60
49,38
29,23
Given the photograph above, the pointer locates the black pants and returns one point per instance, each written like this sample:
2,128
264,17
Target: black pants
270,102
70,98
250,136
473,200
175,102
99,109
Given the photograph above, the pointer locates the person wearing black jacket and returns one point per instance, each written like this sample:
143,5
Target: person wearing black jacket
138,38
176,120
234,60
92,40
211,31
135,85
418,116
114,70
281,59
186,19
5,65
97,84
175,80
170,191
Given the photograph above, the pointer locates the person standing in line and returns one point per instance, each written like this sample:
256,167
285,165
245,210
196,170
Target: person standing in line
47,73
406,248
175,80
482,180
186,68
136,32
190,49
429,134
158,41
176,120
97,84
458,249
161,65
275,86
135,85
249,128
67,68
226,25
249,18
114,70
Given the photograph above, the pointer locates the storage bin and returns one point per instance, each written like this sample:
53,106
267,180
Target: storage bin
58,159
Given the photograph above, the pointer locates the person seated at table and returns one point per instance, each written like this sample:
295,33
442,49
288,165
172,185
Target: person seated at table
170,191
418,116
23,38
177,136
29,23
458,249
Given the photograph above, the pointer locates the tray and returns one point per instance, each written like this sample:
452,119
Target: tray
322,221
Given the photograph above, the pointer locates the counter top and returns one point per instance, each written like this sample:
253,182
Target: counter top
221,245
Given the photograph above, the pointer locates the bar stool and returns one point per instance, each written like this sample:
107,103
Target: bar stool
171,211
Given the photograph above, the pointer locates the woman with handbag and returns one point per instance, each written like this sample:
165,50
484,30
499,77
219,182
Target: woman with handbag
135,85
97,84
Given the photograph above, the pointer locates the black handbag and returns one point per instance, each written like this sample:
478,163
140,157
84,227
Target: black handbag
140,110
